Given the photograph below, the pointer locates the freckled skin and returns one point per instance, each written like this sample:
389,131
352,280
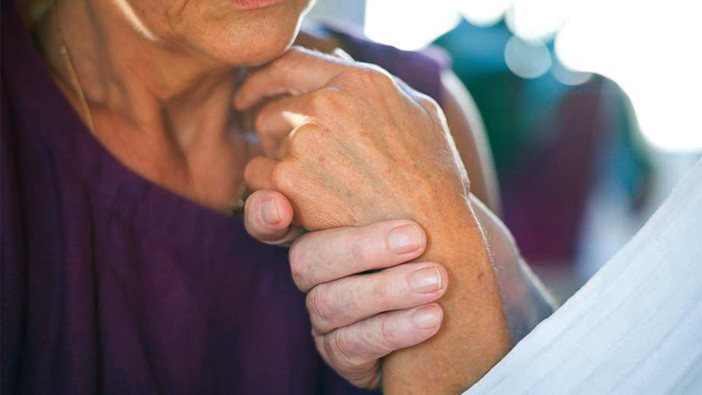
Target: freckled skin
388,154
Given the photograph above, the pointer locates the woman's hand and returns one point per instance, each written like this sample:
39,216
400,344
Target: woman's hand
364,147
358,146
357,318
354,350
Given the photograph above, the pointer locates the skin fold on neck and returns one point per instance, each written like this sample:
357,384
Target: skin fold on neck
160,106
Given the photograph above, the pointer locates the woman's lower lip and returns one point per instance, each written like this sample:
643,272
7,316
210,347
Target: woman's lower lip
250,4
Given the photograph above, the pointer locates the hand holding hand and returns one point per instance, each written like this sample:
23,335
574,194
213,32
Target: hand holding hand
357,318
353,146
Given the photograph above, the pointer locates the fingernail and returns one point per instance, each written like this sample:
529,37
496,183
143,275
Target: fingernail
426,280
404,239
269,211
426,317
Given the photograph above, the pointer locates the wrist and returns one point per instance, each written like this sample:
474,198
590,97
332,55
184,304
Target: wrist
474,324
451,221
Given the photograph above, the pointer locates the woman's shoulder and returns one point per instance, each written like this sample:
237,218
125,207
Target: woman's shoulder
420,69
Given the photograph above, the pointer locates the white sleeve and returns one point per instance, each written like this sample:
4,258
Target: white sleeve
635,328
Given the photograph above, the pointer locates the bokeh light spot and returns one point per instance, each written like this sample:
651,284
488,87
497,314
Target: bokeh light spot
527,59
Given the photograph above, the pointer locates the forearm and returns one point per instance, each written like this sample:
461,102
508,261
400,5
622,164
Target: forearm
474,334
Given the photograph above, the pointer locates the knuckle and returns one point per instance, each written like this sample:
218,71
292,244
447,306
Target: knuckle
386,338
324,101
384,292
375,77
342,350
283,179
358,251
296,257
318,307
305,139
291,59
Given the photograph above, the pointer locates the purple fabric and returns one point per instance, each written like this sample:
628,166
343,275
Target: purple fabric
113,285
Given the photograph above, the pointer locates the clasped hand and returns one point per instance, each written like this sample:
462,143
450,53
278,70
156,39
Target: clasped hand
348,149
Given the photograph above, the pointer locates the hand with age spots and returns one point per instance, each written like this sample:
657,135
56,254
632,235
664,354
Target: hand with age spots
339,162
349,147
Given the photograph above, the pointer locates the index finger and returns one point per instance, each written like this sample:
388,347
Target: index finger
297,71
331,254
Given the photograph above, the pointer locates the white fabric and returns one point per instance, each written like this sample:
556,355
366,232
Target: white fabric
634,328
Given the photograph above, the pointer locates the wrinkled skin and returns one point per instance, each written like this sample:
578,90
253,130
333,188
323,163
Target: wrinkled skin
158,78
364,148
355,168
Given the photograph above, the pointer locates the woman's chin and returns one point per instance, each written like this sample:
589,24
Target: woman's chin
246,38
250,45
264,52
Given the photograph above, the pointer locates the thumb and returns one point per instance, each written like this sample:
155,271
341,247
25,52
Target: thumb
267,218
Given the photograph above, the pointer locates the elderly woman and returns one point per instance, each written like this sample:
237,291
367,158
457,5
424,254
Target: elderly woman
123,155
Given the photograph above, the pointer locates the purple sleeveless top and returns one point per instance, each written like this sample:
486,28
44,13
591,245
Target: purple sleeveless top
113,285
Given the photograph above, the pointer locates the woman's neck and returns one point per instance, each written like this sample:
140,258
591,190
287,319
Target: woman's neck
126,69
163,109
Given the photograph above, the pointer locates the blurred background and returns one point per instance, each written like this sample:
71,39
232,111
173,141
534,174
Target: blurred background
591,108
